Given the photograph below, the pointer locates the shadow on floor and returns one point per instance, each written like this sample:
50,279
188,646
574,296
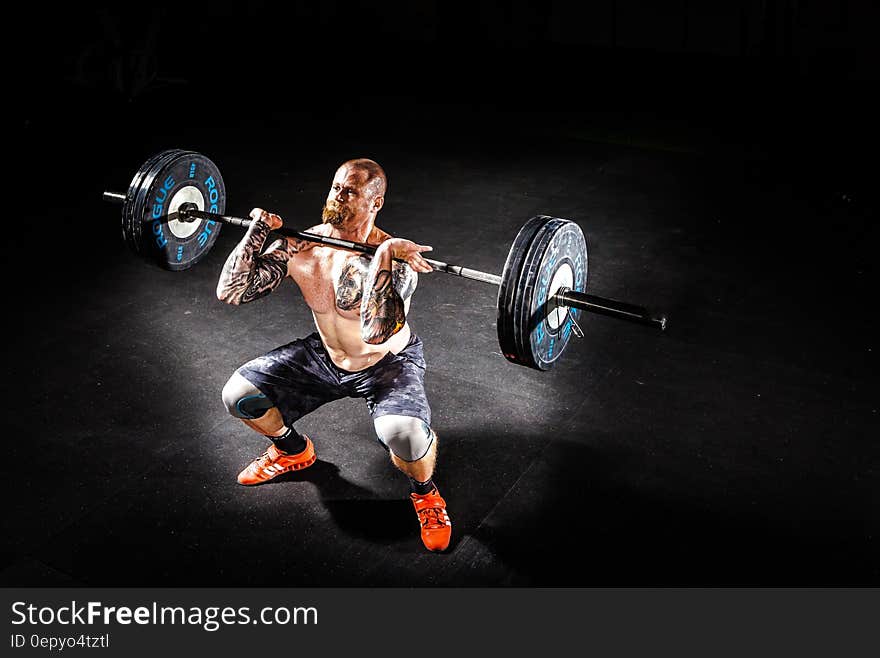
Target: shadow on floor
355,509
598,524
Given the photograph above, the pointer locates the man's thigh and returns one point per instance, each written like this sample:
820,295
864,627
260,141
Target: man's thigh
294,377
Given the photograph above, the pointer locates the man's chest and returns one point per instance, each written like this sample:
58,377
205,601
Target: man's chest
332,281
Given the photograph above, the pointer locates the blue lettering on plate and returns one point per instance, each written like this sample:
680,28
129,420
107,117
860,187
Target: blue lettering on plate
213,193
206,231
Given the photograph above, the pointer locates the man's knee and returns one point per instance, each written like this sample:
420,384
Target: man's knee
244,400
407,437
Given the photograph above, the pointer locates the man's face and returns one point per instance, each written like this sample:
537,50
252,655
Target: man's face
350,200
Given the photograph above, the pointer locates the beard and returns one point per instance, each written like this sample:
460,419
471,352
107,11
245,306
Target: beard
334,214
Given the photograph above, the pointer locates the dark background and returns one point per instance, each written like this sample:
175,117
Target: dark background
721,158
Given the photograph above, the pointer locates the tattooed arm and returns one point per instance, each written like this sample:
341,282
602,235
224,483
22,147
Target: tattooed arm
248,274
387,288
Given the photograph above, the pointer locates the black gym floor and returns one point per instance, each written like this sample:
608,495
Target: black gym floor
737,448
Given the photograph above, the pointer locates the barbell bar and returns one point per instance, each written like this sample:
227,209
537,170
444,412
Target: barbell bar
180,195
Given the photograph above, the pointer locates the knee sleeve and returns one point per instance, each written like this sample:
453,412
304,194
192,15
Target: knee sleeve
244,400
407,437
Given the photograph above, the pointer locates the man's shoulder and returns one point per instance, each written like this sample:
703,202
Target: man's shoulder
304,246
379,236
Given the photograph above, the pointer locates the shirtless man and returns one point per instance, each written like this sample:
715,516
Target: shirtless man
363,347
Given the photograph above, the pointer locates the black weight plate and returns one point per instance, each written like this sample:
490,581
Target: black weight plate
507,291
183,177
129,197
547,254
526,282
141,202
137,214
128,228
131,217
557,257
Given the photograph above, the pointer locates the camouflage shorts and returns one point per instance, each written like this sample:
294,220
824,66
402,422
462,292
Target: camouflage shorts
299,377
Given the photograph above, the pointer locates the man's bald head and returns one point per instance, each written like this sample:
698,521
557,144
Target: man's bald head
376,181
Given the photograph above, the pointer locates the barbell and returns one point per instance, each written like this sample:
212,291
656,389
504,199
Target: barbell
173,210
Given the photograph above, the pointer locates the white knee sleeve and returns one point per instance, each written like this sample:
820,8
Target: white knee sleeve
244,400
407,437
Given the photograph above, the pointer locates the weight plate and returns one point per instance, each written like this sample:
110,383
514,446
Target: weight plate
183,177
551,254
509,284
130,232
559,260
138,205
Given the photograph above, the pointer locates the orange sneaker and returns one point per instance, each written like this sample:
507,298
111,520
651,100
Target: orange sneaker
273,463
436,526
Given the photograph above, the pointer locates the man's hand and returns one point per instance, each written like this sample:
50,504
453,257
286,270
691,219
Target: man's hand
272,220
408,251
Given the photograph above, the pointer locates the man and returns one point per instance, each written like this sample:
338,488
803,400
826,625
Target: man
363,346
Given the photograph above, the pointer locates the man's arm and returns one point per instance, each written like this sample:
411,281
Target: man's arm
388,287
248,274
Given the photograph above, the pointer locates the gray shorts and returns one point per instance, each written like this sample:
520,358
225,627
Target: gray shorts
299,377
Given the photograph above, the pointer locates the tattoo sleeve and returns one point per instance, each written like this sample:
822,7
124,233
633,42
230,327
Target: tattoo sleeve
248,274
386,287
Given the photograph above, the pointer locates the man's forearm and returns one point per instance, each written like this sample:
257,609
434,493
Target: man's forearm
382,309
247,275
